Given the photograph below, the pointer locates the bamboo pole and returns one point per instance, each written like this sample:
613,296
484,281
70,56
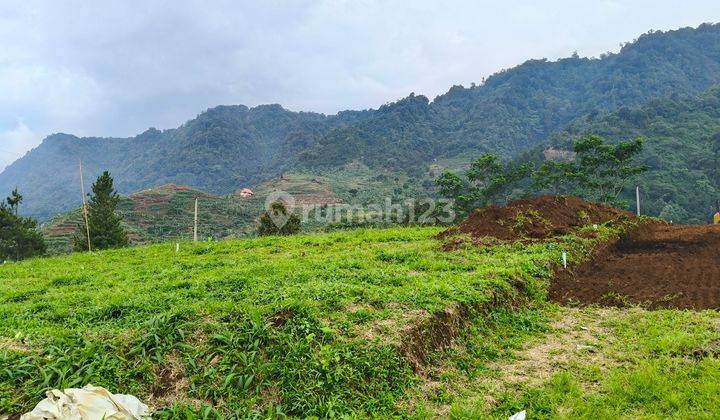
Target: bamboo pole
85,212
195,230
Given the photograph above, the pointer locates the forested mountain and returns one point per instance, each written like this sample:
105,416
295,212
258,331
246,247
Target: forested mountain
682,152
232,146
221,150
514,109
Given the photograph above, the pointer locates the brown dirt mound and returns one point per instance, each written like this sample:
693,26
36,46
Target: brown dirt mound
535,218
656,265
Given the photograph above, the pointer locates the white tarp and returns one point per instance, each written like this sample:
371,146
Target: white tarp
88,403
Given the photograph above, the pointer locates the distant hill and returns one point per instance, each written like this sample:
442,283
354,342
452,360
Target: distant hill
223,149
230,147
166,213
162,214
682,152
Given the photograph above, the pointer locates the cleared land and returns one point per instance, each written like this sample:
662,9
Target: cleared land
656,265
405,322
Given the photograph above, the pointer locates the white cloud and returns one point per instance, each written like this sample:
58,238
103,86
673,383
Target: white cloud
15,142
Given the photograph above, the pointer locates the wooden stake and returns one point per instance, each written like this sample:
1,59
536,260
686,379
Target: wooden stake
85,212
637,198
196,221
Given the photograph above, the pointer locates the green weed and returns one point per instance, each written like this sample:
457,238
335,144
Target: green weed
259,327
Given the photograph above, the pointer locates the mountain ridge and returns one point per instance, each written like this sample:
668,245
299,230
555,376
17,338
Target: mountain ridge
230,146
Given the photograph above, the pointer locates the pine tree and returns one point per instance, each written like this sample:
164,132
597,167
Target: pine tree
106,229
19,237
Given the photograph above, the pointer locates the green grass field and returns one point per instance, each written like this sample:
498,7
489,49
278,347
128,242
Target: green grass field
590,363
346,323
312,324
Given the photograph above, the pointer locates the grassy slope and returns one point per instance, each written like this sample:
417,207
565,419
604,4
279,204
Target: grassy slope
314,323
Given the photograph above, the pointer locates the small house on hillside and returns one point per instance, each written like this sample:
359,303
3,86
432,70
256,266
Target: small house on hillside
246,193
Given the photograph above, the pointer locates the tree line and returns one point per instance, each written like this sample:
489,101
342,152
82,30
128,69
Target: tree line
20,238
598,171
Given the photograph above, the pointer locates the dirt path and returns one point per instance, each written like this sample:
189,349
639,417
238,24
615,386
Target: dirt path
657,265
577,335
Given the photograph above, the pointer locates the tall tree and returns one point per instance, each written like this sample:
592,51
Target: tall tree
19,237
555,176
14,200
599,171
105,224
603,170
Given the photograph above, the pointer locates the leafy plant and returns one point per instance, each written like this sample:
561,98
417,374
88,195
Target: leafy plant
159,335
487,180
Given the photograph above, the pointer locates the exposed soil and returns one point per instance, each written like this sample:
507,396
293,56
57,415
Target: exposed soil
430,333
171,386
656,265
437,332
535,218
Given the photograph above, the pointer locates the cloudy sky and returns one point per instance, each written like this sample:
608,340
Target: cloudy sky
97,68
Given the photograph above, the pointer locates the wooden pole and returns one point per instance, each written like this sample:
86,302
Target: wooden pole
637,198
196,221
85,212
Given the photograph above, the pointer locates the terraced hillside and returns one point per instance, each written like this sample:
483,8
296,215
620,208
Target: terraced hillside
166,213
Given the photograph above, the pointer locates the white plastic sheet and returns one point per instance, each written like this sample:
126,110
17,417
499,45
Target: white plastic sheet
88,403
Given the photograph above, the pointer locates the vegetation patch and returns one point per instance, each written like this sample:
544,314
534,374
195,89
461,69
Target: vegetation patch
557,362
301,325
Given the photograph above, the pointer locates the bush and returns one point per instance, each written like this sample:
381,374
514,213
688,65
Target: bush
278,221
